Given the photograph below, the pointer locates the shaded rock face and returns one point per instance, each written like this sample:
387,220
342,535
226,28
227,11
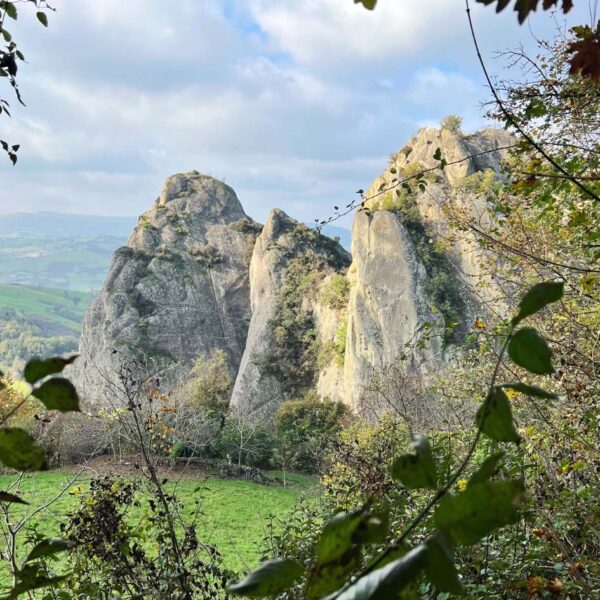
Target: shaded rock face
288,264
177,290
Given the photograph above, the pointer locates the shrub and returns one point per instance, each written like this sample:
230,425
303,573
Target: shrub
452,123
336,291
114,555
305,429
211,382
245,441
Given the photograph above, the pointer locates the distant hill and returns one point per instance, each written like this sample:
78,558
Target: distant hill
58,311
58,250
62,225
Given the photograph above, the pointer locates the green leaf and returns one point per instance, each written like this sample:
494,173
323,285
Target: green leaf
479,510
416,470
487,469
31,577
9,498
387,582
42,18
368,4
58,394
48,547
337,535
38,368
539,296
11,9
441,570
437,155
495,417
373,528
337,554
530,390
19,452
270,579
528,349
536,108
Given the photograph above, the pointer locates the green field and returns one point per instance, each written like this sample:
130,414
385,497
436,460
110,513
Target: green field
235,513
63,308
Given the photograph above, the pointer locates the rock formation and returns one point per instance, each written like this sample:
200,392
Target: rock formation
179,288
289,263
287,308
416,286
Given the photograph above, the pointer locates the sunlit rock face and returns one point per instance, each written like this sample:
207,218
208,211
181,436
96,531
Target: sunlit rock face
178,289
285,245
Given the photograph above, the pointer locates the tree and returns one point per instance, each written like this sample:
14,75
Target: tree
452,123
245,440
306,429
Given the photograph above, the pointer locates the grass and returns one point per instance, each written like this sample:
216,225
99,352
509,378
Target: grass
63,307
235,513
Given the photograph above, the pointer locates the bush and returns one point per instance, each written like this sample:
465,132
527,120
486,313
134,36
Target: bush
336,291
245,442
211,384
115,555
305,429
452,123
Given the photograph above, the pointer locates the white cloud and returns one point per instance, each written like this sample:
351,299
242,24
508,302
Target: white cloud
295,103
334,32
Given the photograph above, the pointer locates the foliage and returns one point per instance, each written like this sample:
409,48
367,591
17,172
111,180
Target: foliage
245,441
112,556
211,382
306,429
336,291
233,511
462,517
10,55
452,123
294,356
334,350
37,322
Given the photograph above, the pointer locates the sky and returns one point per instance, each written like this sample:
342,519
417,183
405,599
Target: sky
294,103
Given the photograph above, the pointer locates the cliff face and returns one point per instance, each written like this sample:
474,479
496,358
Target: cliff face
291,313
388,305
178,289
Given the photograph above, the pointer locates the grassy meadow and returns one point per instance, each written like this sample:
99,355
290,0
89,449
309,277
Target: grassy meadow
234,517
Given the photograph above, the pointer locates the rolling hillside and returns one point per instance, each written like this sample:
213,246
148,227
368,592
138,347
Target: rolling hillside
55,310
38,321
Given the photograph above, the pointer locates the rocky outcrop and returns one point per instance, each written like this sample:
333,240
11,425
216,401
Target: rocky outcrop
416,285
284,304
289,263
388,305
178,289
